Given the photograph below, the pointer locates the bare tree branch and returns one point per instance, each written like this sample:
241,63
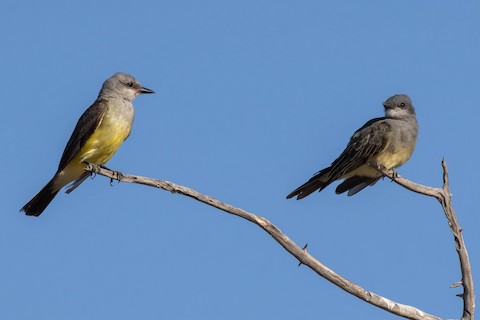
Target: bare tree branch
305,258
444,196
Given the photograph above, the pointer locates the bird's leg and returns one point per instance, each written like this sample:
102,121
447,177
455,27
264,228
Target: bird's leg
118,176
116,173
394,173
380,168
92,174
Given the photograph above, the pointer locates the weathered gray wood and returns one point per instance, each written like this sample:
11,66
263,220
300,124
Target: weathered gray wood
441,194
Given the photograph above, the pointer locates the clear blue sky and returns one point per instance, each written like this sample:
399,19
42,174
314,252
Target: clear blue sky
253,97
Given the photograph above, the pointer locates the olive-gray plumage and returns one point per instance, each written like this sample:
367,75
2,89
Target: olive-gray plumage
386,142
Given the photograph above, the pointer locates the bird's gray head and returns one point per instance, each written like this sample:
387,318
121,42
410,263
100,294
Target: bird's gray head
399,106
122,85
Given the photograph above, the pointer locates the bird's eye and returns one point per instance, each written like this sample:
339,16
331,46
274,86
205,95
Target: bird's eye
402,105
130,84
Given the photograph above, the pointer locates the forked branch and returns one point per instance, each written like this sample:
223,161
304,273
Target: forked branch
306,259
444,196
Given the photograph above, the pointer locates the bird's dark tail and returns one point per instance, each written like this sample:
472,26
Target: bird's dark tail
355,184
41,200
318,181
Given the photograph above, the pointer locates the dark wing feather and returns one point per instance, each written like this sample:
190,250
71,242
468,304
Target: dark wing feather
316,182
355,184
366,142
86,125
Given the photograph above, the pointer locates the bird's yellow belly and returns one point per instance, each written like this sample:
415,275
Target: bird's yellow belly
388,159
104,142
394,159
114,128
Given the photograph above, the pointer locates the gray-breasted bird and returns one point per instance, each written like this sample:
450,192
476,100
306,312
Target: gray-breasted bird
97,136
386,142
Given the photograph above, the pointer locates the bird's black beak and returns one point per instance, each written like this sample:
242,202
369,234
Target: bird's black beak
387,106
145,90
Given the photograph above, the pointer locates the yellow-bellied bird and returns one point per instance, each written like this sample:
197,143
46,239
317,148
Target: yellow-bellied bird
97,136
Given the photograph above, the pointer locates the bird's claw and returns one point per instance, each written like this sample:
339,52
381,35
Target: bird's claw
393,173
117,176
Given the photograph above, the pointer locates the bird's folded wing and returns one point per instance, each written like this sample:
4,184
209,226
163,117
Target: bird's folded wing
86,125
367,142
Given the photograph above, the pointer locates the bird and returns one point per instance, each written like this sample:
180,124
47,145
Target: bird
99,132
381,143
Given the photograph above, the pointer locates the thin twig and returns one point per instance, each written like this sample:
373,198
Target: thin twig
443,196
300,253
